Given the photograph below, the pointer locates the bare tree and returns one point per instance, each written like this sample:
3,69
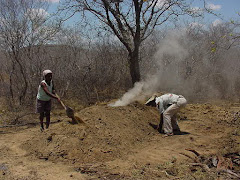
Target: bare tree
85,62
23,26
131,21
235,34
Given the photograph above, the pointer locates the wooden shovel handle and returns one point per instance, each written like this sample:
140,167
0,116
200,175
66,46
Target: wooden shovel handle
63,105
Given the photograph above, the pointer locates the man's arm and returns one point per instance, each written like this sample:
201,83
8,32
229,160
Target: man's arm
159,128
44,86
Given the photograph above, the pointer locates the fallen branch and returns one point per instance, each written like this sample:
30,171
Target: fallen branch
194,159
195,152
204,166
229,172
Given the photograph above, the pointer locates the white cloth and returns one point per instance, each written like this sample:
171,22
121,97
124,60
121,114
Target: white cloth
41,95
45,72
165,100
169,105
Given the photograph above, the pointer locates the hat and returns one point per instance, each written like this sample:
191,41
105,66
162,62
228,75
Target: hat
45,72
151,100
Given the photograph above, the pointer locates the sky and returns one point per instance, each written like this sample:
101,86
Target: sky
228,9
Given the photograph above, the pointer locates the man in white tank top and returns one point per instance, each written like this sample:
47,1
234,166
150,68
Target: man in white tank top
46,91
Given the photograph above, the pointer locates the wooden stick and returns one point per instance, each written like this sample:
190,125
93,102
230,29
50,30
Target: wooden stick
204,166
195,152
63,105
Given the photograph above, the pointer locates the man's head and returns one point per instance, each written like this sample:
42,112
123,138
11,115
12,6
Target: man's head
151,101
47,75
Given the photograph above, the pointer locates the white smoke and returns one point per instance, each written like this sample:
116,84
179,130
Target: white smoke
129,96
170,46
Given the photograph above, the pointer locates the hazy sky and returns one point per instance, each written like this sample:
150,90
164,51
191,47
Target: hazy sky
229,9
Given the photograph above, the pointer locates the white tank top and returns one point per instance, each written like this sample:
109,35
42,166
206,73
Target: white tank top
41,93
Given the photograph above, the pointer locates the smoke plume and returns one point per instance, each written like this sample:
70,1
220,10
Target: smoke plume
170,47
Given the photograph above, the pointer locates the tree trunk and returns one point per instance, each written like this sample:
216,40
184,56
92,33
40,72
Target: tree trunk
134,65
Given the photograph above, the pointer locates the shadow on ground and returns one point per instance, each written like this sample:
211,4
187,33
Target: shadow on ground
154,126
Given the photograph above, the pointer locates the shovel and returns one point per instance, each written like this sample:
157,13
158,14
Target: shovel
70,113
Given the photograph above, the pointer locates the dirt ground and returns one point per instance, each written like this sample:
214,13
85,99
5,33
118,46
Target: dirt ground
122,143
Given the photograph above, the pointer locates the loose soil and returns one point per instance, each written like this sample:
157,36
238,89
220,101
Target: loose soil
122,143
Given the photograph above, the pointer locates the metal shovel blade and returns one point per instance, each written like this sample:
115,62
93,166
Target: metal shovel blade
70,112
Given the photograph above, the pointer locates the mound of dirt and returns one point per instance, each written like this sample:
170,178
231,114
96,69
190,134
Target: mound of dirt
108,133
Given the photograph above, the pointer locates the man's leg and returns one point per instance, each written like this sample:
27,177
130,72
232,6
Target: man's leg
47,112
180,103
47,119
167,116
175,123
160,126
41,116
